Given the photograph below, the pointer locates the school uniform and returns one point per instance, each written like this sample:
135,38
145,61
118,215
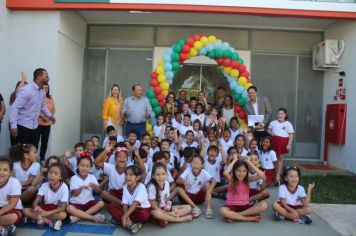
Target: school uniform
226,144
119,139
255,186
52,198
183,129
200,117
85,199
196,132
157,131
164,194
175,123
116,180
234,133
153,151
139,195
196,184
280,135
185,144
293,199
10,189
24,174
267,159
214,168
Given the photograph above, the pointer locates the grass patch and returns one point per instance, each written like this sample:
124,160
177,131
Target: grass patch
332,189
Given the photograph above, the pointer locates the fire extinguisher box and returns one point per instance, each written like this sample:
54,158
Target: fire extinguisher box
335,125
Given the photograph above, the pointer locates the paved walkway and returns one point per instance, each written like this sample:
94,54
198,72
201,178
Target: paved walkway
202,226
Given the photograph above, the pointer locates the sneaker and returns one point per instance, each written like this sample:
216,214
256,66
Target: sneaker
73,219
55,224
113,222
305,220
27,220
99,218
134,228
8,230
278,216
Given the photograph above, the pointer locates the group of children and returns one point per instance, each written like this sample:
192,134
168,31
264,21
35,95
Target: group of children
142,180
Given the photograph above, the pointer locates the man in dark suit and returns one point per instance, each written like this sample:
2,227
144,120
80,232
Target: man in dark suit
259,106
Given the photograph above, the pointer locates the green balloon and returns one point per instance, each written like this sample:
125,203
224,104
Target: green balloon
219,53
157,110
240,61
235,56
175,65
181,42
175,56
211,55
235,96
150,94
227,53
177,48
241,101
154,102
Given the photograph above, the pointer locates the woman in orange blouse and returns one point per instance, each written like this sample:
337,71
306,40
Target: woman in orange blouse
112,109
44,125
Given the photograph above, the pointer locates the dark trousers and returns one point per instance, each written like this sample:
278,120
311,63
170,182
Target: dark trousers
259,135
42,133
25,135
139,129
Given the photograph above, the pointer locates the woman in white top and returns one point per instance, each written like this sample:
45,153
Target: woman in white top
228,110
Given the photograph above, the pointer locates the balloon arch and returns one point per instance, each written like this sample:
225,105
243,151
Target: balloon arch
226,56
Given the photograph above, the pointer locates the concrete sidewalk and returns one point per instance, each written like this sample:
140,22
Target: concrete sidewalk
214,227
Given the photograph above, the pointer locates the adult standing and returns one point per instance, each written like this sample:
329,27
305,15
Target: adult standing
259,105
2,109
44,124
112,107
135,110
182,98
220,100
25,110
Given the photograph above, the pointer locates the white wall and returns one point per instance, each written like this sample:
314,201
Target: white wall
54,41
343,156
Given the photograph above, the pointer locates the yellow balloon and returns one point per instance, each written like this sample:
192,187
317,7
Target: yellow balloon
164,86
242,80
150,133
193,52
161,78
246,86
204,40
227,70
234,73
198,45
161,63
211,39
159,70
148,127
165,92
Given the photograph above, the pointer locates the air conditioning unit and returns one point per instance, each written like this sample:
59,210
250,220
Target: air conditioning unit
326,55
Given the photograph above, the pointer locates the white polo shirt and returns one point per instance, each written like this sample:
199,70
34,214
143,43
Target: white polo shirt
116,179
86,195
293,199
12,188
138,194
24,174
196,183
267,159
281,129
164,193
59,196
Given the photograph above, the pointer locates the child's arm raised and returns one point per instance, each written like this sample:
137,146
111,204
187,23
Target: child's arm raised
307,199
38,179
99,160
203,148
67,154
227,172
260,174
223,156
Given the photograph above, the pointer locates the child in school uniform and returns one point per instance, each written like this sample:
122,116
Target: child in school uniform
82,203
135,208
25,169
71,163
187,125
50,204
226,141
159,128
198,113
253,147
198,184
188,141
234,127
111,132
282,136
213,164
293,202
42,177
237,206
10,202
240,146
268,160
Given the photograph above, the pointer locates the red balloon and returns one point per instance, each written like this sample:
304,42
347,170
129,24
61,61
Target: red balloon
181,61
154,82
185,48
157,90
190,41
161,104
183,56
160,97
235,64
242,68
237,108
242,114
154,75
220,60
196,37
245,74
226,62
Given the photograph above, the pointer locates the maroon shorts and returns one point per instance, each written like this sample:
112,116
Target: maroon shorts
238,208
253,192
140,215
17,212
280,145
296,207
270,175
197,198
117,193
86,206
49,207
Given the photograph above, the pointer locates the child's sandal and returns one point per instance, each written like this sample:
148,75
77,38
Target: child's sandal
196,212
209,214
